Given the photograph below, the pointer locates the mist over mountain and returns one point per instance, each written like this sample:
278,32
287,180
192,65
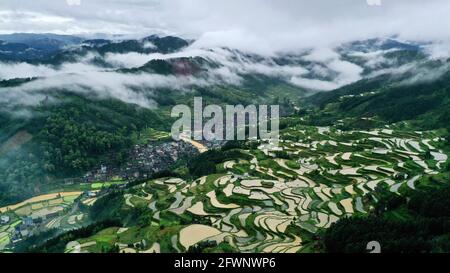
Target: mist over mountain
133,70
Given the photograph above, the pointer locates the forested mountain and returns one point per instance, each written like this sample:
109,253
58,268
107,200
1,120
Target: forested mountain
31,47
420,94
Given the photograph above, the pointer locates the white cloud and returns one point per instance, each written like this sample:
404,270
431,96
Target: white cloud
439,50
128,60
314,84
326,62
374,59
348,72
131,88
321,55
20,70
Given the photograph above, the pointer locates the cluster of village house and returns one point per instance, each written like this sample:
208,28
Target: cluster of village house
23,230
143,161
28,226
34,223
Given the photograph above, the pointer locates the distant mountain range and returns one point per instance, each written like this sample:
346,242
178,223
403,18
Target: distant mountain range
28,47
39,47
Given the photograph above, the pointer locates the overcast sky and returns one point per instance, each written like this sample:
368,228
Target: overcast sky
259,25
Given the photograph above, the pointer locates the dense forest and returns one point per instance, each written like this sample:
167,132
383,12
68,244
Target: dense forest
58,243
68,139
419,223
425,103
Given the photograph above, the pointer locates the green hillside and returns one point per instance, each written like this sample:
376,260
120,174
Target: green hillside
425,103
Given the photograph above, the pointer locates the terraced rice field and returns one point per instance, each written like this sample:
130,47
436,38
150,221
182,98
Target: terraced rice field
270,204
331,174
193,234
38,199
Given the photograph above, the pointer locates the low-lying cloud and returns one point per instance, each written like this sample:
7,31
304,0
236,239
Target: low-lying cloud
89,80
229,67
234,64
